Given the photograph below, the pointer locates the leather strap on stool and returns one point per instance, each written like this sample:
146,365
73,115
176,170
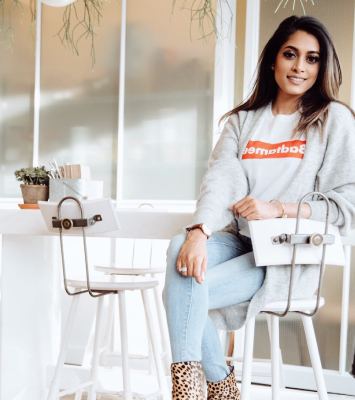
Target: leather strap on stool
68,223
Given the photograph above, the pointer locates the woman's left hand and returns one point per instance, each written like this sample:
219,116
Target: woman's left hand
252,208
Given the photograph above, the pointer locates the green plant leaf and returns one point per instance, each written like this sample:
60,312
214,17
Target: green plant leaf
33,176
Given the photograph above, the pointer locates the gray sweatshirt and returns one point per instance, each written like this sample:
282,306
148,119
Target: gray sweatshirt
328,166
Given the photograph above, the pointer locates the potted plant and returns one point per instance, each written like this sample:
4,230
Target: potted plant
35,185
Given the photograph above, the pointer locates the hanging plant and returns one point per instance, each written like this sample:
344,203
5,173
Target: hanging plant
284,3
77,26
9,32
205,14
78,22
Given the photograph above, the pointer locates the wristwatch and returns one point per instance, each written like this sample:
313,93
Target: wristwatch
204,228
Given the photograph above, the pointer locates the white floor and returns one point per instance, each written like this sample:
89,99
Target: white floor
259,392
144,384
262,392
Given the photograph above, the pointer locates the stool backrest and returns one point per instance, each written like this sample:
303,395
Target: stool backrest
137,224
154,224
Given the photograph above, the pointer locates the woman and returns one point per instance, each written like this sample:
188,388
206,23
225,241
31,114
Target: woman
289,138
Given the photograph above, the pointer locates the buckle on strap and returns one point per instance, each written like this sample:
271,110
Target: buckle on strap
68,223
316,239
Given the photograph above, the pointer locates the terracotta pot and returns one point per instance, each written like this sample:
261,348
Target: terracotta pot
33,193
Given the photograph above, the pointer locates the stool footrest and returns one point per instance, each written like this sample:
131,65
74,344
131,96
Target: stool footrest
75,389
152,396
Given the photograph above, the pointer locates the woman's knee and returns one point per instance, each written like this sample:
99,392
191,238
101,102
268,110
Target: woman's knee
172,255
174,246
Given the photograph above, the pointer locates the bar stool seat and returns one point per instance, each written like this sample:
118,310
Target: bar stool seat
102,284
296,305
129,271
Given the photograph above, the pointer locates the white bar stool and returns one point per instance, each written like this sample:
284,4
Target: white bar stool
306,307
146,273
150,272
132,271
98,289
303,305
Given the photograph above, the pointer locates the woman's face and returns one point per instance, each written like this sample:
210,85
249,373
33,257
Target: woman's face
297,65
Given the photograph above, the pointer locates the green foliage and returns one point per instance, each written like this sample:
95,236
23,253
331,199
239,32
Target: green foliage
77,23
8,36
284,3
205,14
33,176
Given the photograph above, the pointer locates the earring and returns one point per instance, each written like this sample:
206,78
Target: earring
273,67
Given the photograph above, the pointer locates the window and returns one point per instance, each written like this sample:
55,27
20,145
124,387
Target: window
168,103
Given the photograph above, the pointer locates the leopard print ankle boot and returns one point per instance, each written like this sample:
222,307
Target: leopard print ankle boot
224,390
187,378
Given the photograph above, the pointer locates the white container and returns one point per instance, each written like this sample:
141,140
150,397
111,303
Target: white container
82,189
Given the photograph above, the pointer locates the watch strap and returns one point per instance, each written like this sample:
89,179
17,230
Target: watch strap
197,226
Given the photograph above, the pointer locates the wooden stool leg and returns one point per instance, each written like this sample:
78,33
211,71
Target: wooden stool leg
96,352
314,355
127,393
275,358
54,388
153,338
231,347
247,359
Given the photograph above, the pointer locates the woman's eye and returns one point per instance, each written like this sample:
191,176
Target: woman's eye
313,59
289,54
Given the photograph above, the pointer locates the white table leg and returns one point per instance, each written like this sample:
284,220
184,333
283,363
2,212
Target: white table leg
29,315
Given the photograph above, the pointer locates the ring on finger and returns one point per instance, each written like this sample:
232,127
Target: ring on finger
183,269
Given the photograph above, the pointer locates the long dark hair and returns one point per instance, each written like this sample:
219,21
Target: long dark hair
315,102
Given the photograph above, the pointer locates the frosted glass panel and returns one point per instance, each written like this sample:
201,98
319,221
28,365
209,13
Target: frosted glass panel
168,104
16,104
78,122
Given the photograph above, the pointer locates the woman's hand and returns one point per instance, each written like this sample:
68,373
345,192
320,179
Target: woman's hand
193,256
252,208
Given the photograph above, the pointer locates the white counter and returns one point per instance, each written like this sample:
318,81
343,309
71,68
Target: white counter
30,294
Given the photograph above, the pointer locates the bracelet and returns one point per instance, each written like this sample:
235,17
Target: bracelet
283,208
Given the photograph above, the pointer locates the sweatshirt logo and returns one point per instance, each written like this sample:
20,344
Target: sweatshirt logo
261,150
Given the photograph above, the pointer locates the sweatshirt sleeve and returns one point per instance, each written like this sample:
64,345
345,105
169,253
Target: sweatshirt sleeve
336,177
224,183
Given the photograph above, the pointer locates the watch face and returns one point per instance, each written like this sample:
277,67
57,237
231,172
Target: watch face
206,230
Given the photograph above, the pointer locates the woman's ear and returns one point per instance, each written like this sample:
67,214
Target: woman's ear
273,67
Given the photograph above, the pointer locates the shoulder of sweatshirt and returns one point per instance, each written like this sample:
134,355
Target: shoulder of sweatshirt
238,120
340,117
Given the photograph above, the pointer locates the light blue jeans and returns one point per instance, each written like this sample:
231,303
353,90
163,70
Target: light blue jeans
231,278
